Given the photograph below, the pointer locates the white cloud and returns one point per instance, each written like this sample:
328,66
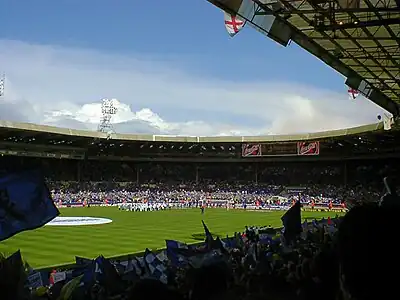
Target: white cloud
64,87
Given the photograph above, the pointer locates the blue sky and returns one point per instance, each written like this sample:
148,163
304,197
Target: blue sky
187,38
192,30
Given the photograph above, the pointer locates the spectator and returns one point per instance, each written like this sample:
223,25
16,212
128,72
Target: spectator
368,254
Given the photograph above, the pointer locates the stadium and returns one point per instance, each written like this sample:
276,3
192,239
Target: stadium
104,215
102,171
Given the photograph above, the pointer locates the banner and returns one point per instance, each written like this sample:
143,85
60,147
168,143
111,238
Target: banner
280,149
308,148
251,150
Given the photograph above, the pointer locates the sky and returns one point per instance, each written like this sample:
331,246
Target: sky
170,67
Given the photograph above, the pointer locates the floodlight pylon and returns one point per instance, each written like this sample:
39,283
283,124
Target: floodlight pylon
108,109
2,84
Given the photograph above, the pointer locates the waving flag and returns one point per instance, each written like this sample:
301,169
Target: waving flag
82,260
177,252
172,244
353,94
25,203
209,240
292,222
233,24
156,268
133,265
388,121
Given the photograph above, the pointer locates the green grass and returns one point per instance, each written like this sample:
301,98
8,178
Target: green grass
130,232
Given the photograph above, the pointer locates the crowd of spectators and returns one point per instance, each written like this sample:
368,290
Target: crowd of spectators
186,195
350,257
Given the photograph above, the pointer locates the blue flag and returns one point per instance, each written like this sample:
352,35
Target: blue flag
82,260
178,253
209,240
25,203
156,268
291,221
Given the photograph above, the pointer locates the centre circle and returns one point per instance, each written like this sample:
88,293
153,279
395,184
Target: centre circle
77,221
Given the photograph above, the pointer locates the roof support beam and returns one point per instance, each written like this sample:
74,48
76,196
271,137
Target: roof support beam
361,24
340,10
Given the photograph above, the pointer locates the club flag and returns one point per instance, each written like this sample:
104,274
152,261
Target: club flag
25,203
291,221
172,244
157,269
107,274
207,232
221,245
81,261
133,266
177,252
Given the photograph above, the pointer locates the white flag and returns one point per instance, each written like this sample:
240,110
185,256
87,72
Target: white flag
388,121
233,24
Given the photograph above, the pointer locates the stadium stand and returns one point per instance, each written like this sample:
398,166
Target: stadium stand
133,171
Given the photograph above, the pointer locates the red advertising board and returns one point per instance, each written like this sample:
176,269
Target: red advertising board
280,149
308,148
251,150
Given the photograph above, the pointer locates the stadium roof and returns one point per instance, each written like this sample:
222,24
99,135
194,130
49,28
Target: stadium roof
25,139
358,38
9,129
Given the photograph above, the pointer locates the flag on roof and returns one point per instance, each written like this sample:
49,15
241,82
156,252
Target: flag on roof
388,121
233,24
353,94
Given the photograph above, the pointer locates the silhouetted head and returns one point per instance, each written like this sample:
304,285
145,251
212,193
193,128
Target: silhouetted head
367,251
210,282
150,289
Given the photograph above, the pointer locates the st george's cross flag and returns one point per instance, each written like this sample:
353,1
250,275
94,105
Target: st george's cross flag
353,94
233,24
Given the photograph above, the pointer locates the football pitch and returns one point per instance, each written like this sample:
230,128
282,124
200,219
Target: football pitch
130,232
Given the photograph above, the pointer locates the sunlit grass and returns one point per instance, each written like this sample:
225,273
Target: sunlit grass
130,232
